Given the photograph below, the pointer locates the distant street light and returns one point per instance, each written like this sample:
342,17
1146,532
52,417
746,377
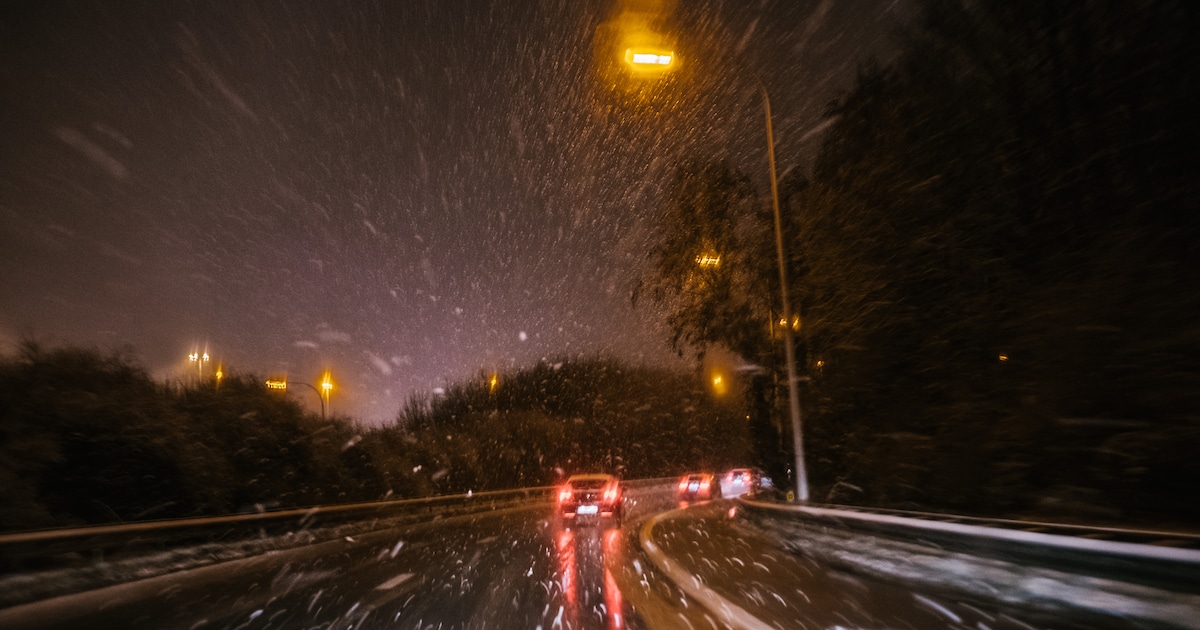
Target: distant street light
326,390
199,359
645,60
719,386
323,393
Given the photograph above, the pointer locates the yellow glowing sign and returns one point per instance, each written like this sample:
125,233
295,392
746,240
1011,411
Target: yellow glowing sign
1004,357
708,260
273,384
495,380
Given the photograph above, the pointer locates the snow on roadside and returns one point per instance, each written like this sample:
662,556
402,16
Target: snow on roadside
987,579
33,586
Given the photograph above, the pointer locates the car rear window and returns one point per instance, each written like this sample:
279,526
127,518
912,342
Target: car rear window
588,484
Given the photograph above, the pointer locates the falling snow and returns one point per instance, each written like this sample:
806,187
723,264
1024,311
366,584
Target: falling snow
301,189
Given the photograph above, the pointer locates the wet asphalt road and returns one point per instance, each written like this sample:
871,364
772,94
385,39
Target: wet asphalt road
522,568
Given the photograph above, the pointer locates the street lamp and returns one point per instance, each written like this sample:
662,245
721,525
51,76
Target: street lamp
326,390
323,393
650,60
199,359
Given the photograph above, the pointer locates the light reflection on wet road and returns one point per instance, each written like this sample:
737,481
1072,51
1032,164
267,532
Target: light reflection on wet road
521,568
511,569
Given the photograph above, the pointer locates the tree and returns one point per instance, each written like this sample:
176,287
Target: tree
714,271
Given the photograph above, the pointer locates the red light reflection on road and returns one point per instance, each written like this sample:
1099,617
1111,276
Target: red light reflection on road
612,594
566,564
590,593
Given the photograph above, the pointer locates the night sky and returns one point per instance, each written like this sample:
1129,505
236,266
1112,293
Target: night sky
404,193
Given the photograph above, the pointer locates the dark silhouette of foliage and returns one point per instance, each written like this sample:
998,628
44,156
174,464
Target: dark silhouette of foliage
995,261
87,438
560,417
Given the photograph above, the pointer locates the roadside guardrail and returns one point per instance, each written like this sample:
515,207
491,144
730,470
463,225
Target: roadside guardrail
1162,560
64,548
59,548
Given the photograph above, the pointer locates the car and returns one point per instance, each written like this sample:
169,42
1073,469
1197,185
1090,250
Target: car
591,498
739,481
699,487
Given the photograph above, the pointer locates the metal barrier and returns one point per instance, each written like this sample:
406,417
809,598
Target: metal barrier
64,548
59,548
1161,566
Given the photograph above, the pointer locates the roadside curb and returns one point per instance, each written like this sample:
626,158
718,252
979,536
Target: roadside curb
726,611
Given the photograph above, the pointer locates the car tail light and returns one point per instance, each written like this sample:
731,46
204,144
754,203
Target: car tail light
746,477
610,494
564,494
704,484
683,484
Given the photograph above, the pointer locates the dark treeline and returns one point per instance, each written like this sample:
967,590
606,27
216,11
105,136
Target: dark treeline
996,260
535,425
90,438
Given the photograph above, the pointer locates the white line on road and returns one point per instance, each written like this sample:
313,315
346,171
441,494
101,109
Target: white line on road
725,610
394,582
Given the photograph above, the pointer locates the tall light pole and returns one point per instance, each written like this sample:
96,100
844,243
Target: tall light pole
789,349
656,60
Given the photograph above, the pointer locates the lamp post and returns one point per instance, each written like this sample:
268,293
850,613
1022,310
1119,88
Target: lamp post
788,339
644,61
323,393
319,395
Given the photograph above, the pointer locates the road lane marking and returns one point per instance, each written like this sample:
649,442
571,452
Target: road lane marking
725,610
394,582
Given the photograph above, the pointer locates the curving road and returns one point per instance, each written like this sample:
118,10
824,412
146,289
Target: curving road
520,568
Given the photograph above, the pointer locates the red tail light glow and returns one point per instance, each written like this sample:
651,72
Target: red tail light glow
683,484
704,484
564,494
610,494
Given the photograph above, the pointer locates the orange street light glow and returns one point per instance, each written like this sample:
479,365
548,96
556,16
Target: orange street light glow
649,59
